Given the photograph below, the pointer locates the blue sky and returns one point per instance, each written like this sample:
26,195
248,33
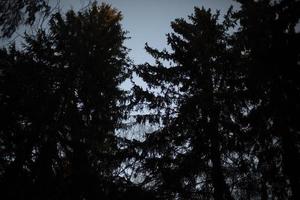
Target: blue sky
149,20
145,20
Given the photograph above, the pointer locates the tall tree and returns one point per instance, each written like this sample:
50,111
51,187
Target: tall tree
234,132
60,106
188,155
267,32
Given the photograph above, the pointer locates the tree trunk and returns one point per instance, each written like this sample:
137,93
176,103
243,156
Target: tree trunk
291,162
290,155
221,190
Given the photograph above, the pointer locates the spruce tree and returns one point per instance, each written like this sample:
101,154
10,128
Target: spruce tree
187,157
268,35
60,107
228,103
14,13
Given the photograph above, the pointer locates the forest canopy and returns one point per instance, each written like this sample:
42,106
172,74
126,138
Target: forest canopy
225,97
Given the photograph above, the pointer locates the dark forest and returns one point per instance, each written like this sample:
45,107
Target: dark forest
223,96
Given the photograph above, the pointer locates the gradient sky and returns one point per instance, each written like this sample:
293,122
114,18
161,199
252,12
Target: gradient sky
149,20
145,20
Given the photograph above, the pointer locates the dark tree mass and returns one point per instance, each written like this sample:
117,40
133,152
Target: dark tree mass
225,96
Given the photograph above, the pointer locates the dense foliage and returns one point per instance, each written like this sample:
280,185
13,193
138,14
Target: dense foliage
230,101
14,13
60,106
226,97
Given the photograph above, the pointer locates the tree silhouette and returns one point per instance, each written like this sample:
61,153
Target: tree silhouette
60,106
233,132
224,102
272,61
189,153
16,12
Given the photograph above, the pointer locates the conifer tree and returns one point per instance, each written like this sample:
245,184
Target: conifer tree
233,133
268,35
14,13
188,155
60,107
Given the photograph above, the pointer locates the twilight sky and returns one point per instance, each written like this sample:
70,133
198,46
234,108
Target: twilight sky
145,20
149,20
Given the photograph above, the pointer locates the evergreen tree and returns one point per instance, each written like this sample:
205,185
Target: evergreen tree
187,157
60,107
13,13
270,42
226,97
233,133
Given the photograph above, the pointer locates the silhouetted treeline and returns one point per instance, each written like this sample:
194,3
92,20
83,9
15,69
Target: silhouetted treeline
226,96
